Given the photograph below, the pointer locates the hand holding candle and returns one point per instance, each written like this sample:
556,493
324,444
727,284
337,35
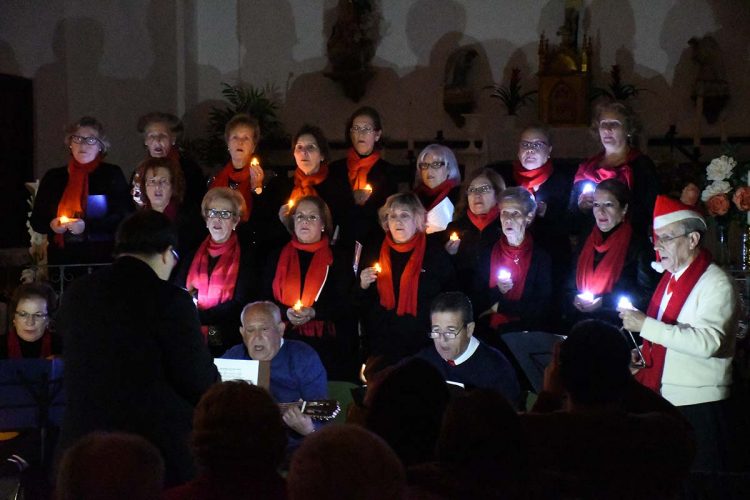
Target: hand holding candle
587,302
504,280
503,275
368,188
377,267
362,195
297,306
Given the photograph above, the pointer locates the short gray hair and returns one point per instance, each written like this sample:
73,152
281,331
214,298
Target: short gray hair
694,225
446,155
521,196
268,306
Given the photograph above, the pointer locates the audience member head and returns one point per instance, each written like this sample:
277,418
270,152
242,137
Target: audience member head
406,409
222,209
435,164
534,146
310,149
298,221
114,466
86,139
150,236
594,364
162,181
452,319
31,306
482,191
402,215
345,461
262,330
160,132
364,131
237,427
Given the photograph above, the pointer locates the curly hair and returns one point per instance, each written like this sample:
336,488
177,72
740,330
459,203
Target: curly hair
176,178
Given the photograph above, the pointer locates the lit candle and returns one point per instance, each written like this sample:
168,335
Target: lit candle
503,275
297,306
588,187
586,296
368,188
377,267
624,303
64,219
291,203
255,162
454,236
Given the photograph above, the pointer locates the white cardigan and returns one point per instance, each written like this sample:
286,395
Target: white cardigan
700,347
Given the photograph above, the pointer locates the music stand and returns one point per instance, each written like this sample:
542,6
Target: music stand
31,395
533,352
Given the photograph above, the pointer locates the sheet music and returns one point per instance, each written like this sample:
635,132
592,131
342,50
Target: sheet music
238,369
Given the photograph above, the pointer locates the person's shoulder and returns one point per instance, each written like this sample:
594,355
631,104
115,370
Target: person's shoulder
235,352
488,352
299,349
717,276
108,167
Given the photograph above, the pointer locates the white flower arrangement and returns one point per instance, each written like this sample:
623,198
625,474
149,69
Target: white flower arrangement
720,168
716,187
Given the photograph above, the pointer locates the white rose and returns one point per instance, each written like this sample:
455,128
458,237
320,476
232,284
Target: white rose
716,187
720,168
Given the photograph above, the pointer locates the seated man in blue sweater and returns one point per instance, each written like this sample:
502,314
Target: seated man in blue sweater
461,357
296,370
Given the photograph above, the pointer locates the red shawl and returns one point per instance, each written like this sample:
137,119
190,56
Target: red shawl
601,278
218,287
288,281
532,179
358,167
654,354
239,180
408,281
304,185
592,170
74,199
481,221
171,210
431,198
517,260
14,345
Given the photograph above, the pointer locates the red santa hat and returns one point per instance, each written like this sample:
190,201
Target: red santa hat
668,210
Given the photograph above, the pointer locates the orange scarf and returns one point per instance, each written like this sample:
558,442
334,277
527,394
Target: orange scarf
289,285
431,197
409,279
532,179
304,185
601,278
239,180
481,221
358,167
75,197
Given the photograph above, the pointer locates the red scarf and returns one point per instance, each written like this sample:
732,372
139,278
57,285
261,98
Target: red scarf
481,221
287,284
431,198
654,354
592,171
14,345
174,154
240,179
74,199
409,280
217,287
601,278
304,185
171,210
358,167
532,179
517,260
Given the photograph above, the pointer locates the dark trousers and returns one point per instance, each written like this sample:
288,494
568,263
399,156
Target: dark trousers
713,426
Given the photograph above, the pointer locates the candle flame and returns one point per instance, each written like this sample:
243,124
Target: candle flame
503,275
588,187
586,296
624,303
368,188
291,203
64,219
454,236
377,267
255,162
297,306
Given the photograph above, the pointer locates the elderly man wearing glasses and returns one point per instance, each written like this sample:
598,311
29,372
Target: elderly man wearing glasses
461,357
689,331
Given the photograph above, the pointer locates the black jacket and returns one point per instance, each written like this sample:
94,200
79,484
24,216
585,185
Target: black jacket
473,241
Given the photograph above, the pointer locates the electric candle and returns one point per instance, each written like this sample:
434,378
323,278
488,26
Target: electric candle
624,303
586,296
588,187
503,275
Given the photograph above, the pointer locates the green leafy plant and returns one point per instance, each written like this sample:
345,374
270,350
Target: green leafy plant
259,102
616,90
512,96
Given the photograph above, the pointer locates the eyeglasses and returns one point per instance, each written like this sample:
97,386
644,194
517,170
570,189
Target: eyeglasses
403,217
663,240
219,214
484,188
34,317
449,334
306,218
435,165
175,254
153,182
361,130
309,148
79,139
610,124
537,146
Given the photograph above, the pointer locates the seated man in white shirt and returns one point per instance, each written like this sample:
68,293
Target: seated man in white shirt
461,357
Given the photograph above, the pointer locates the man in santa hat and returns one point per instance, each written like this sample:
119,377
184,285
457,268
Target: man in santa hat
689,330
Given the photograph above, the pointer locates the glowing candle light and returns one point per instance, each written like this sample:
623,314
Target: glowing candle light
368,188
588,187
297,306
586,296
624,303
377,267
64,219
291,203
255,162
454,236
503,275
